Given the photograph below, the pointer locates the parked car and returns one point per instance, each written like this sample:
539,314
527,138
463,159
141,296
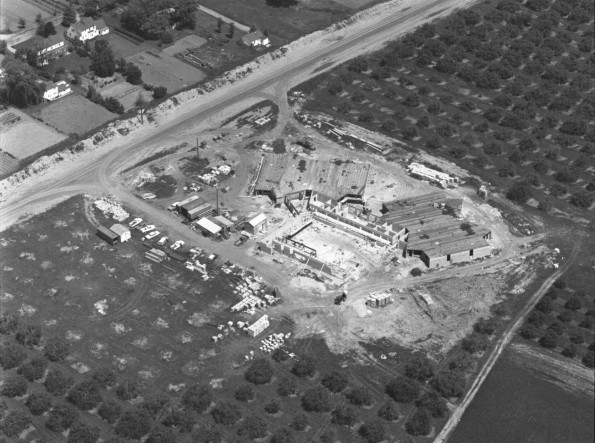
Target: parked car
240,241
163,240
177,245
151,235
147,228
136,221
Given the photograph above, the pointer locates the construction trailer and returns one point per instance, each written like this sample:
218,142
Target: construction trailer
208,228
108,235
122,231
257,224
258,326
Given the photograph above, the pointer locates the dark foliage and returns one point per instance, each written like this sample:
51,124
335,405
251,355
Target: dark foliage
11,355
304,367
334,381
39,402
28,335
56,349
359,396
254,426
373,431
316,400
85,395
226,413
198,398
14,423
389,411
83,433
287,386
105,377
260,372
419,423
127,389
475,343
244,393
61,417
403,390
432,402
110,411
134,423
299,422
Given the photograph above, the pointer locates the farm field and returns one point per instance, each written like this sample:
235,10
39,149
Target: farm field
12,10
481,89
74,114
23,136
165,70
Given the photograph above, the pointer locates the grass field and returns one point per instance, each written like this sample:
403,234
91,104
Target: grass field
74,114
188,42
27,136
12,10
126,93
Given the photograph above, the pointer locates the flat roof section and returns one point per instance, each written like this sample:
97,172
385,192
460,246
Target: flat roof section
208,225
257,220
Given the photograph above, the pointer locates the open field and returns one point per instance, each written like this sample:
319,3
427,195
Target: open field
74,114
12,10
165,70
517,124
126,93
23,136
188,42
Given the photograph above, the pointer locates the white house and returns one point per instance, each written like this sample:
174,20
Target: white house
122,231
255,39
87,29
54,91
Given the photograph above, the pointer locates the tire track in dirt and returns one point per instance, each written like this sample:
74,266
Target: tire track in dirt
141,288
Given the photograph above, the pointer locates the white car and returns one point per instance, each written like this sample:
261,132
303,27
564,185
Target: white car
136,221
163,240
177,245
195,251
151,235
147,228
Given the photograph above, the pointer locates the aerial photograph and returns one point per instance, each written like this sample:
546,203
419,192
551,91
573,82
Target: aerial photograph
286,221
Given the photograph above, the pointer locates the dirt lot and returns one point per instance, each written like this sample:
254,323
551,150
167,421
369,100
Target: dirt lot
74,114
165,70
12,10
23,136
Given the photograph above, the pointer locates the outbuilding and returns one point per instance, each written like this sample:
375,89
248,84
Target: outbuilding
256,225
108,235
122,231
208,228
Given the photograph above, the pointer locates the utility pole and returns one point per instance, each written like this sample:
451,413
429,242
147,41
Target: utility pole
217,198
197,156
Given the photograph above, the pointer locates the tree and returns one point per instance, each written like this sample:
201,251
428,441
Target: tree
22,23
113,105
557,328
46,29
589,359
14,386
272,407
373,431
161,434
166,37
358,64
14,423
56,349
581,199
299,422
260,372
403,390
507,170
127,390
420,368
549,340
159,92
334,381
244,393
409,132
419,423
573,303
8,325
389,411
69,16
449,383
133,74
110,411
85,395
83,433
254,426
287,386
11,355
433,403
104,377
28,335
316,400
529,331
359,396
33,369
344,416
134,424
226,413
39,402
61,417
475,343
304,367
279,354
282,435
181,418
232,30
103,63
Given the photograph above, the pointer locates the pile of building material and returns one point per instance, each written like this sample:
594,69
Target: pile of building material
111,207
379,300
273,341
156,255
249,303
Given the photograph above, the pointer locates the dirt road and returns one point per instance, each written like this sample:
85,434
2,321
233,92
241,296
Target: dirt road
457,414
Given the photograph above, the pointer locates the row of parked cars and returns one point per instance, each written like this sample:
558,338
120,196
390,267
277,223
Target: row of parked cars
150,233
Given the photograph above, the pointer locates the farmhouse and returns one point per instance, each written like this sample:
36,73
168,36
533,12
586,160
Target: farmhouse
46,49
255,39
87,29
256,225
122,231
54,91
107,235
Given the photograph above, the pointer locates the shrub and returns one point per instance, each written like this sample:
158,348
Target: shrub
549,340
581,199
253,427
272,407
226,413
462,362
536,318
576,339
127,390
282,435
11,355
57,383
419,423
83,433
569,351
416,272
316,400
403,390
166,37
574,304
260,372
557,328
589,359
159,92
420,368
287,387
449,383
475,343
373,431
359,396
544,305
110,411
198,398
280,355
56,349
14,386
104,377
529,332
488,327
304,367
519,192
389,411
39,402
14,423
134,424
62,416
334,381
244,393
299,422
156,403
28,335
85,395
565,317
432,402
8,324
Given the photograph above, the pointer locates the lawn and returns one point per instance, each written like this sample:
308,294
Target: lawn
12,10
26,136
125,93
74,114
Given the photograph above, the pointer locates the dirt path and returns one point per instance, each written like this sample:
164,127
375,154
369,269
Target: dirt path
510,332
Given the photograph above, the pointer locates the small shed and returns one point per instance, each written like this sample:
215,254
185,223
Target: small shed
208,228
256,225
108,235
122,231
223,222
